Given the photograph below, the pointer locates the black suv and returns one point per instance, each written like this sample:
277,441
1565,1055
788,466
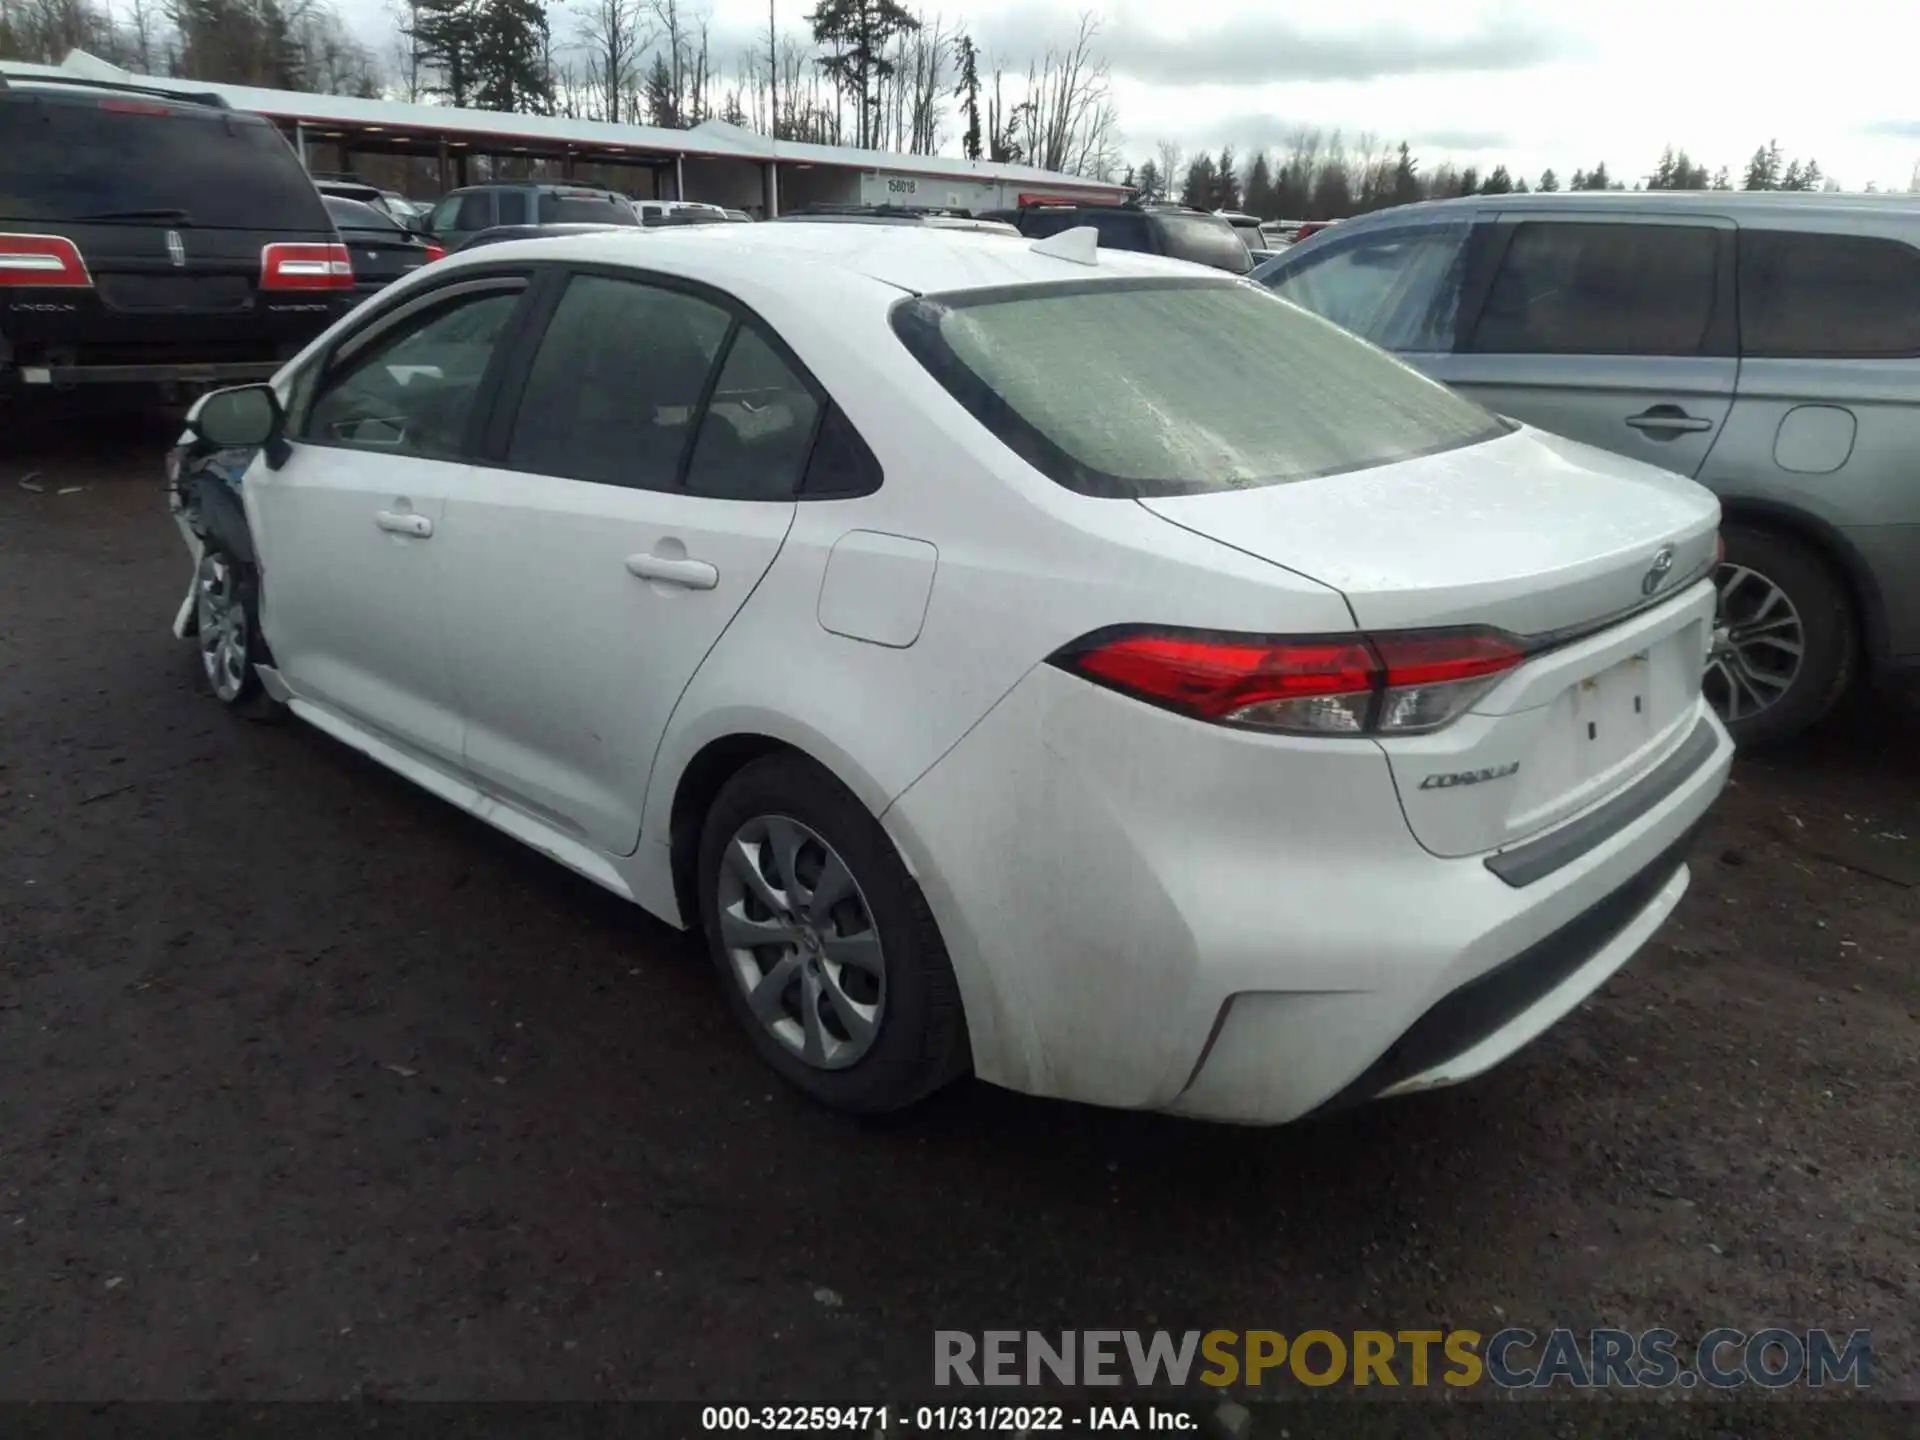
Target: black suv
1170,230
464,213
151,236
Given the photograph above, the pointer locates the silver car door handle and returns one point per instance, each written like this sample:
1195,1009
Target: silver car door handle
403,523
694,574
1671,420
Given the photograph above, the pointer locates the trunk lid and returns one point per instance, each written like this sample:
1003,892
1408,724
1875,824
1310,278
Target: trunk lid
1547,539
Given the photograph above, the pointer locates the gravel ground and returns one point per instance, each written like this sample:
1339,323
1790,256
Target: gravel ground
312,1087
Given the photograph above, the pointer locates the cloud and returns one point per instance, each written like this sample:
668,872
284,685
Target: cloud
1251,131
1260,48
1469,140
1893,129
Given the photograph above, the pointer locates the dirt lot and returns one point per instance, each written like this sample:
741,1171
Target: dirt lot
312,1087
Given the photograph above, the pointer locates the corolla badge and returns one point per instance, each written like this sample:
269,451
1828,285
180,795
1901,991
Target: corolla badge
1657,575
1470,777
177,249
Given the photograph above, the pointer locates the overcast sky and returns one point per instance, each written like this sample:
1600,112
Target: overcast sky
1482,82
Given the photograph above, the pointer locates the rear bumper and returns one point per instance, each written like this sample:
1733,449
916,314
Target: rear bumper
1147,912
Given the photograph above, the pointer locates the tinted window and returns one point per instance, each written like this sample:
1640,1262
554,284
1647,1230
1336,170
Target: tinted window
1165,388
1041,223
1398,288
66,159
1119,230
510,207
616,382
1828,295
440,218
586,209
1205,240
758,427
411,392
841,463
476,211
1571,289
352,215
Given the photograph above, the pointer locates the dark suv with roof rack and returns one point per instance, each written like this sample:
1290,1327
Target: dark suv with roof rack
1171,230
461,214
150,236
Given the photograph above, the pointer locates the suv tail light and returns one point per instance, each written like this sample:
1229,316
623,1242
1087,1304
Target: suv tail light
44,260
286,265
1399,684
436,252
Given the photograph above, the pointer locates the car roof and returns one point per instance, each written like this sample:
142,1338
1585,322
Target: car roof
1653,202
919,259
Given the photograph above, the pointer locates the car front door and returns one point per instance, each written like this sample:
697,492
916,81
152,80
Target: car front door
1397,285
348,524
631,501
1617,331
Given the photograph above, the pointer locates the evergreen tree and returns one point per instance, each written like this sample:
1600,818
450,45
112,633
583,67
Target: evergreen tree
857,35
509,69
1549,182
967,91
1579,181
1497,183
447,33
1148,183
1332,191
1470,180
1763,170
1226,182
1259,194
663,105
1198,194
1721,180
1404,188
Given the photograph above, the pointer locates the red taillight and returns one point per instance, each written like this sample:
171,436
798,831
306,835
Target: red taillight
286,265
435,252
42,260
1343,685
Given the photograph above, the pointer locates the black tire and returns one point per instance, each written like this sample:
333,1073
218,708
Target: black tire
1828,628
240,583
921,1040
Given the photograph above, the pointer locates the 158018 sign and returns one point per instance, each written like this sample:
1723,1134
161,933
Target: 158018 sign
903,187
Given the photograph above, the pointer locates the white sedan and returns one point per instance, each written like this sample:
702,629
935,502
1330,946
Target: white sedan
1070,666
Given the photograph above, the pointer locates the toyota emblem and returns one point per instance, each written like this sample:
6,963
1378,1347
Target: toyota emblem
1657,575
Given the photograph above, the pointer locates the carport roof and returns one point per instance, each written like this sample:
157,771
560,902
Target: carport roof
493,129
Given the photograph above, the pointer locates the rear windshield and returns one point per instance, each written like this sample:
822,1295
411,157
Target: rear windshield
68,159
1136,387
352,214
1206,240
586,209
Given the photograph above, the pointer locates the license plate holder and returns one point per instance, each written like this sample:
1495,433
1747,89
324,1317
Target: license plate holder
1613,713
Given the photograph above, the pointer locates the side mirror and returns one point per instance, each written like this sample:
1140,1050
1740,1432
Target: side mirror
244,417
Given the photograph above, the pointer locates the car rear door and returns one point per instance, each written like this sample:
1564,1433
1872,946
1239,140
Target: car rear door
1619,330
348,523
633,495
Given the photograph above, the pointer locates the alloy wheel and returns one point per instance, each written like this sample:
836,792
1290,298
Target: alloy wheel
221,617
801,942
1759,643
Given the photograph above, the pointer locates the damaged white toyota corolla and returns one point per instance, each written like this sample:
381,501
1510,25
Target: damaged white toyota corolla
1071,666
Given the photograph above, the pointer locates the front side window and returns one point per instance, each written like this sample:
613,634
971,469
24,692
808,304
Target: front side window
1566,288
511,207
758,428
411,391
1811,296
1398,288
616,384
1135,388
476,211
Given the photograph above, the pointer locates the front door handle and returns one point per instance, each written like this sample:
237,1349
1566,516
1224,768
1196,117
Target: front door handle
403,522
1666,421
693,574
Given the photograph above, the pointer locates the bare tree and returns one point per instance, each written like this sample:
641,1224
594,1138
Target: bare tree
1073,125
1170,159
614,35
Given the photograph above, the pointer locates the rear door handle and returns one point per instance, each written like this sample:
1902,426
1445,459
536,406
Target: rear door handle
693,574
1668,420
403,522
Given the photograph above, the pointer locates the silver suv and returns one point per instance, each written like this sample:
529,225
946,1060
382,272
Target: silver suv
1768,345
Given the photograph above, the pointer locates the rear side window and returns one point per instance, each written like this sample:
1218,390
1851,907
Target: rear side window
1808,296
586,209
1399,288
510,207
1042,223
1565,288
1119,229
1166,387
616,383
758,427
70,159
1205,240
